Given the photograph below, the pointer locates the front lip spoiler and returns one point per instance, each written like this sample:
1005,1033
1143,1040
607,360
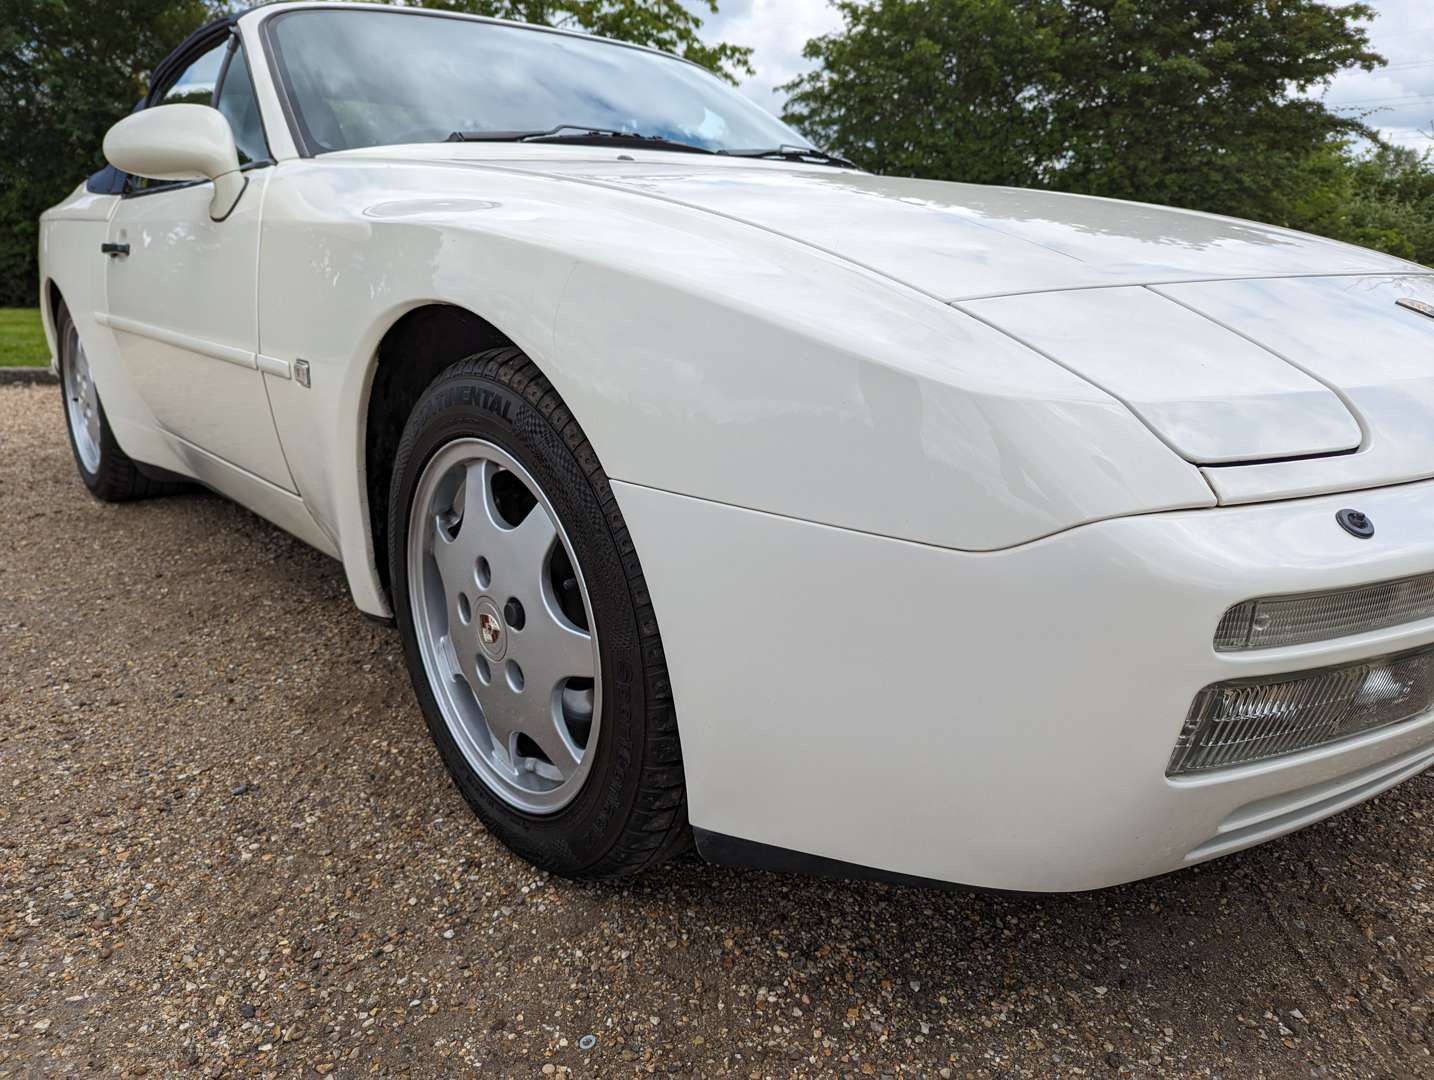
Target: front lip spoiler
724,850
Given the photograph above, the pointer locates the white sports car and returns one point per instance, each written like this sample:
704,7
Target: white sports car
723,492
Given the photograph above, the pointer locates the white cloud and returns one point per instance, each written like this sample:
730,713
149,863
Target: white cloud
1400,98
777,30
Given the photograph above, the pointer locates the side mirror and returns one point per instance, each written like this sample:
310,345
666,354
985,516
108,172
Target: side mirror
180,142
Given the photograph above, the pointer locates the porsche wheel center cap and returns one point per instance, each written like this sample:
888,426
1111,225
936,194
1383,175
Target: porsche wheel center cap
490,630
492,636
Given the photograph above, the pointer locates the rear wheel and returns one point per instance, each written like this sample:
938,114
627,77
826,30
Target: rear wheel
527,626
106,470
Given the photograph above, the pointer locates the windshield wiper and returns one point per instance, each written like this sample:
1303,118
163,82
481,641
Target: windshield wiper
581,135
793,153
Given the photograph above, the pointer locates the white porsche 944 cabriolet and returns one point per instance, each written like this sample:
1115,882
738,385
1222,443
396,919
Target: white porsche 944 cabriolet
723,493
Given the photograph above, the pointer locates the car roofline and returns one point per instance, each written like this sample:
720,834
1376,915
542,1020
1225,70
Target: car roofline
215,29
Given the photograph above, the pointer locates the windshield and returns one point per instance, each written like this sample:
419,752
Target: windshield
375,78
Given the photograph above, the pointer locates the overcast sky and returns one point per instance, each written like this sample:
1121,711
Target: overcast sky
1401,94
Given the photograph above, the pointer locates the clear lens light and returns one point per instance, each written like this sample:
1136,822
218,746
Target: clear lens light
1297,620
1235,723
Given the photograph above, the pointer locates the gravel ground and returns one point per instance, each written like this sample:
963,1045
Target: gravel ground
228,847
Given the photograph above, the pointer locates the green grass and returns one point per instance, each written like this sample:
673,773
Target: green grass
22,338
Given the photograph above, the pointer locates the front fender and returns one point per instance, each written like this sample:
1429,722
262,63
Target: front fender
730,364
702,355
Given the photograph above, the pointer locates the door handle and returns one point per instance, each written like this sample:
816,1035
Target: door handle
114,250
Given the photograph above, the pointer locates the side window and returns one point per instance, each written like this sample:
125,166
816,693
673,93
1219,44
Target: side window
195,85
228,87
241,108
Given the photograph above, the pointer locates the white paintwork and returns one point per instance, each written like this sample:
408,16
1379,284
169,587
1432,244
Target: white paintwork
280,369
183,309
944,460
1000,719
180,142
962,241
1210,394
1349,333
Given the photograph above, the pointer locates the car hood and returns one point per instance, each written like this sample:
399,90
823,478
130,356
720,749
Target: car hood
1369,339
1277,387
963,241
1277,362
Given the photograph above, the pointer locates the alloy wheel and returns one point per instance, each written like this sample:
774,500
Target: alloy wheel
82,401
504,625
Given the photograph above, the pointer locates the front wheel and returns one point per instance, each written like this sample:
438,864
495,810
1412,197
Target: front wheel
527,627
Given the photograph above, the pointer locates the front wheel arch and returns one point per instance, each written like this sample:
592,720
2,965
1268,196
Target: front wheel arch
413,352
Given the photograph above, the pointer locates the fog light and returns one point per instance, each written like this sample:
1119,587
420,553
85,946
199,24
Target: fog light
1234,723
1297,620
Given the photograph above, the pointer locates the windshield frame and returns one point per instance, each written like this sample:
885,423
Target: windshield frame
308,147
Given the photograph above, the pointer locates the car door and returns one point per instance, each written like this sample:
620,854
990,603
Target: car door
181,289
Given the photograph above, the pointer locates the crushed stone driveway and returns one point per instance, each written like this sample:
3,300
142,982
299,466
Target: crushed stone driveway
227,847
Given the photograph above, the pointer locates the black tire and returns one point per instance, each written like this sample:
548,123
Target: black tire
631,813
115,478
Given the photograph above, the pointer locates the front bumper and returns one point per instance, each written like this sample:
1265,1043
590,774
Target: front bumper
1004,719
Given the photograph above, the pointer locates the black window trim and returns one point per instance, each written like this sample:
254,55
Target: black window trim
185,53
308,147
236,47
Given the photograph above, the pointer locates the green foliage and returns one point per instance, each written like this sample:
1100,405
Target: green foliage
71,68
1195,105
1392,203
22,338
939,89
662,24
947,89
1164,101
67,73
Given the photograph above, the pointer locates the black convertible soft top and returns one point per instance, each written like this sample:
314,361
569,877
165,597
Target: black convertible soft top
209,34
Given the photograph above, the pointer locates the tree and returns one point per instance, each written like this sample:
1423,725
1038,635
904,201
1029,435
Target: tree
1391,205
65,77
67,72
1201,105
1189,104
945,89
661,24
